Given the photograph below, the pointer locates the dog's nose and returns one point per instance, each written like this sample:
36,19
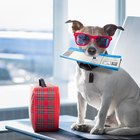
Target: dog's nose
91,51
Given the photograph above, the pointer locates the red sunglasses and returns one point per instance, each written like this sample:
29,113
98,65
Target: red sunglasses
83,39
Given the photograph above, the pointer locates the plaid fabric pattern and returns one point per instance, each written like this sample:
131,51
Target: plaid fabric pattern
45,108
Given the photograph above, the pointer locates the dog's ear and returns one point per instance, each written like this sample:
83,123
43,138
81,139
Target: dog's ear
76,25
110,29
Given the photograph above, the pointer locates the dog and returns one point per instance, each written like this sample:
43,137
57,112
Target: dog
114,94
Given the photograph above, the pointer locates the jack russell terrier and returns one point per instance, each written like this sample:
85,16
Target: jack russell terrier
114,94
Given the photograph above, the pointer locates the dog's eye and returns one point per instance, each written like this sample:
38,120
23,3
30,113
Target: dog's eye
102,41
82,39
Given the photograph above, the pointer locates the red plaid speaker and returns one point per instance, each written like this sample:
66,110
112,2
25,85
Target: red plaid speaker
45,108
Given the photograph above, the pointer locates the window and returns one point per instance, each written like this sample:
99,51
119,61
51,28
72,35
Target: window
92,12
132,8
25,40
31,15
27,47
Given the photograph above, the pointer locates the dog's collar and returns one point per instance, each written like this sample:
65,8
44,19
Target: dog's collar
88,67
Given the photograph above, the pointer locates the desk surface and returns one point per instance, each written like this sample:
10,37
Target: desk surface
24,126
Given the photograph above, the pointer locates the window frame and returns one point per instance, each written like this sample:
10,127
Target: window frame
120,11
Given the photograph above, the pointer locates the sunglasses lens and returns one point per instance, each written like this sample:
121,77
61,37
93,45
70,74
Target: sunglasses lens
102,42
82,39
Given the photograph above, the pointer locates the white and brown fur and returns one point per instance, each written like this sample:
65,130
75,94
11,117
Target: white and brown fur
114,94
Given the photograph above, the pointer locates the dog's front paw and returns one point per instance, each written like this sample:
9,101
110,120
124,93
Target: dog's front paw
81,127
75,126
97,130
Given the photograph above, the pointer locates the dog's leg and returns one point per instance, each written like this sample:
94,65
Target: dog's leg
81,109
128,113
101,116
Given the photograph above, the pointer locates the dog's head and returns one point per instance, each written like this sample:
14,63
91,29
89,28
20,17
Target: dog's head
93,39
